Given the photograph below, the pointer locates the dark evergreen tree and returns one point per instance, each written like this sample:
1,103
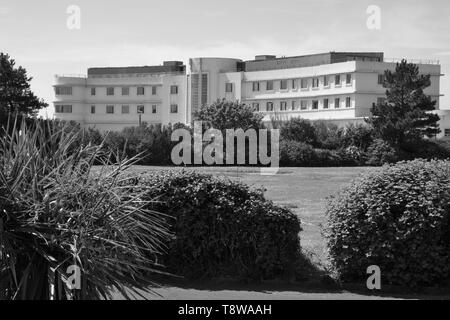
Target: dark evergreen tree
405,115
16,97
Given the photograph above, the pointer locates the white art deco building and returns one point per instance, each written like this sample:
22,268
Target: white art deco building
336,86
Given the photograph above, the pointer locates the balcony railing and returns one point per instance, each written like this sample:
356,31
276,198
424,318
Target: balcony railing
69,75
416,61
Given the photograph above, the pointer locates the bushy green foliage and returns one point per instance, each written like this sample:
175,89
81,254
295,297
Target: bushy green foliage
223,228
295,153
329,135
298,129
55,213
151,142
396,217
299,154
224,114
381,152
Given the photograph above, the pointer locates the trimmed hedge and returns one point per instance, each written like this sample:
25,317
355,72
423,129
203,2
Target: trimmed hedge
396,217
223,228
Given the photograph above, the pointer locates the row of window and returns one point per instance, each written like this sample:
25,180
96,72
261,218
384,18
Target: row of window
447,132
110,91
305,104
304,83
111,109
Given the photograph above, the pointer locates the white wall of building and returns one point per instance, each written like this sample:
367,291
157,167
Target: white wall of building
363,90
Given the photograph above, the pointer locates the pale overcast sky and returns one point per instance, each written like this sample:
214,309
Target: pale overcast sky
134,32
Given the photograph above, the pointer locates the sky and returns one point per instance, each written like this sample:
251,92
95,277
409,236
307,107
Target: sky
147,32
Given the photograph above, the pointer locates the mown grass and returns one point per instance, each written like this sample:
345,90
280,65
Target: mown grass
303,190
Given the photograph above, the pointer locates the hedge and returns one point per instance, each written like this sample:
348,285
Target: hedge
396,217
223,228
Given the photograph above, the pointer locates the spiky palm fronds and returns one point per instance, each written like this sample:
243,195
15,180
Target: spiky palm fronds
56,214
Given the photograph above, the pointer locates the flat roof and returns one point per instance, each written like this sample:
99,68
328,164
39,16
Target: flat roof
137,70
270,62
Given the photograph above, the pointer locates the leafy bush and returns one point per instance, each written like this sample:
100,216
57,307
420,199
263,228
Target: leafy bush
223,228
295,153
223,114
351,156
358,136
396,217
300,130
381,152
329,135
56,213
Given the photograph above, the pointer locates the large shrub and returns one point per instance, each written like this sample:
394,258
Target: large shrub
223,228
295,153
381,152
396,217
298,129
56,213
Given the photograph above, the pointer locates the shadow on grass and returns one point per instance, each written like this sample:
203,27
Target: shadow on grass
308,279
304,287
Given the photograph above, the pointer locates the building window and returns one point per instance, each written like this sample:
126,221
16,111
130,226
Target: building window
269,85
154,90
93,92
63,109
110,109
337,102
304,83
283,84
325,103
63,91
381,79
326,81
348,79
173,108
110,91
228,87
294,84
315,83
337,80
303,105
140,91
255,106
348,102
315,104
283,105
381,100
294,105
447,132
92,109
269,106
125,110
174,90
255,86
125,91
154,110
140,109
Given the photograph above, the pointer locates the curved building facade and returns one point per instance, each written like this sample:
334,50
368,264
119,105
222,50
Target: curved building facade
335,86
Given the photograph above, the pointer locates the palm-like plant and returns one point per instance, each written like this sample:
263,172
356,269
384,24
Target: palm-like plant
57,217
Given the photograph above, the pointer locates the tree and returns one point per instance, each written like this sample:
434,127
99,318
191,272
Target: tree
300,130
15,93
224,114
404,116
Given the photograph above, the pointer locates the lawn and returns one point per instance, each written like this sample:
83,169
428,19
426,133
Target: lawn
304,190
